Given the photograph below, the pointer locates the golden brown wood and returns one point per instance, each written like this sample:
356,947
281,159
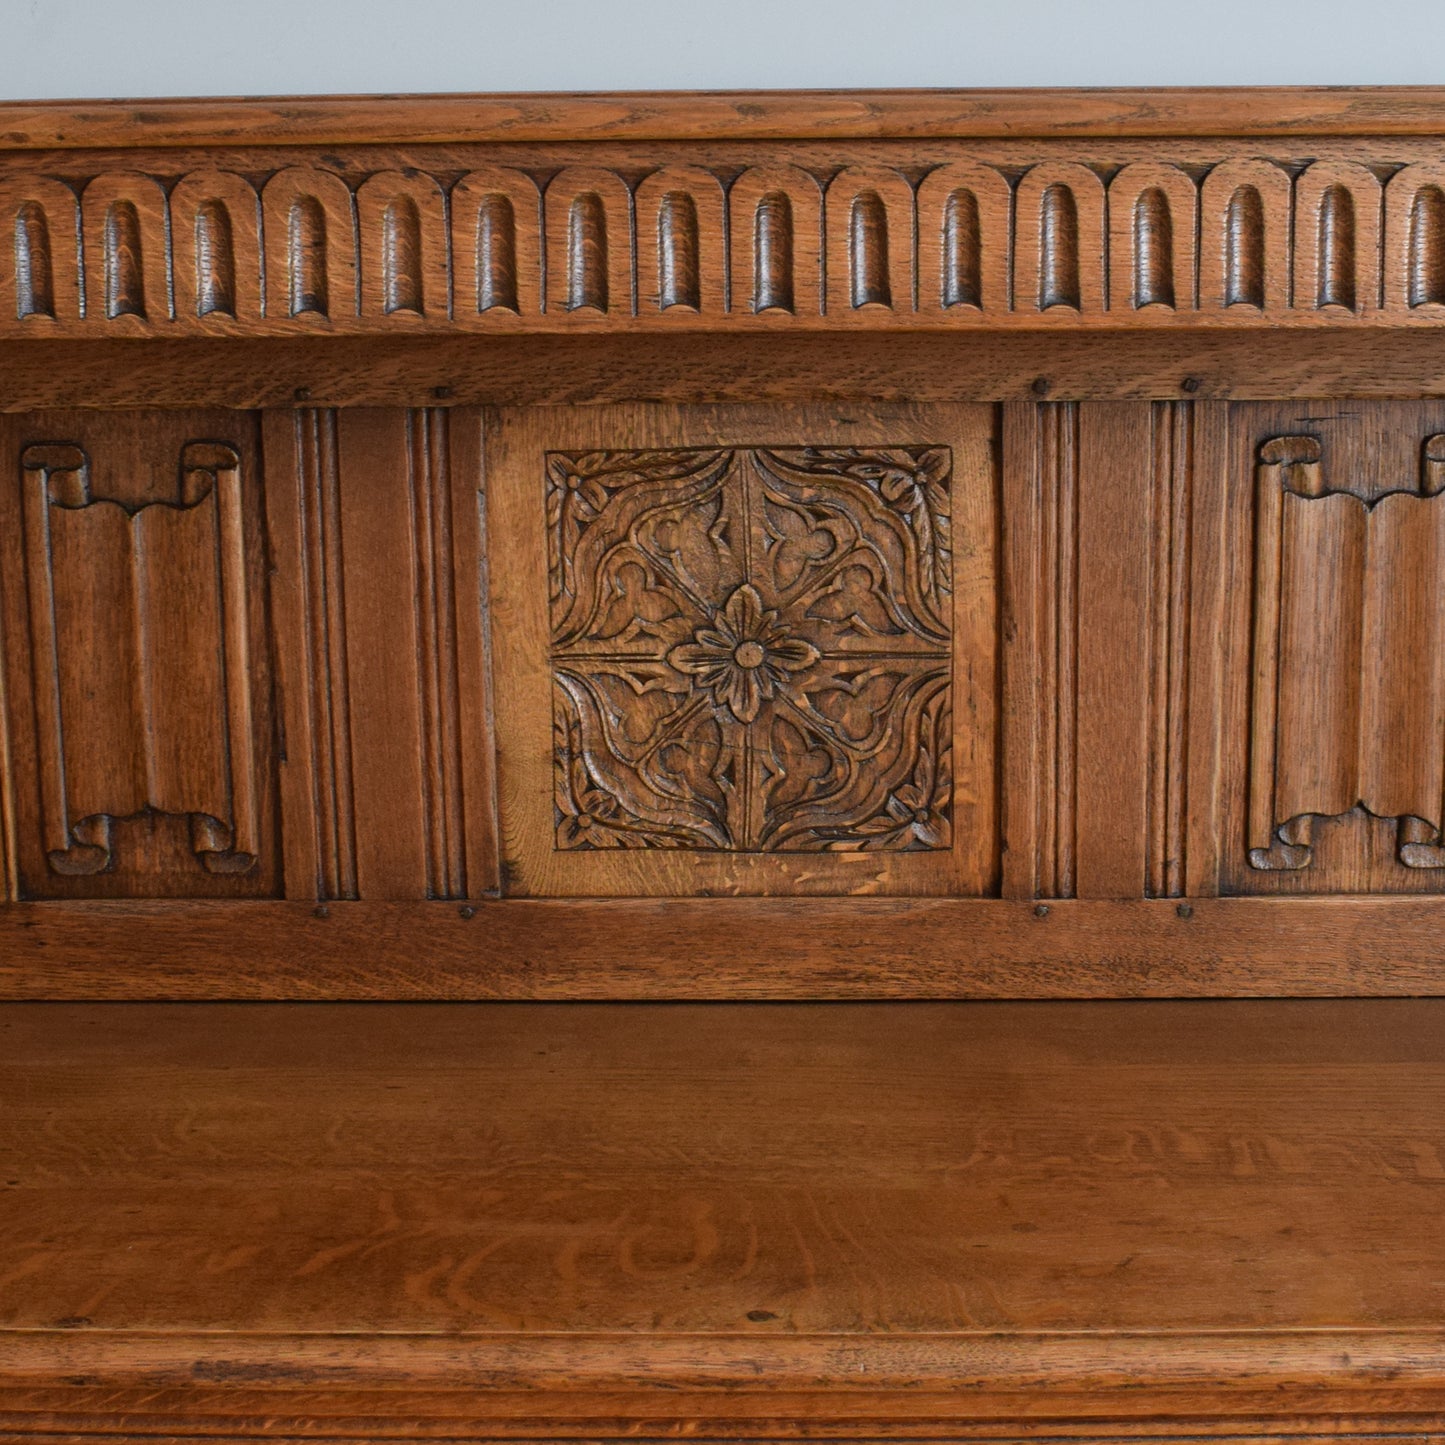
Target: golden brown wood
1039,610
718,948
739,627
1339,618
139,685
914,1220
764,115
568,371
445,544
874,213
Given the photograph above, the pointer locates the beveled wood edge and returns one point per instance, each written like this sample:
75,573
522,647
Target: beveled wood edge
1078,113
1037,1362
796,948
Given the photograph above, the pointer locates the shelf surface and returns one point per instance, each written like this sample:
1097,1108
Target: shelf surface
737,1216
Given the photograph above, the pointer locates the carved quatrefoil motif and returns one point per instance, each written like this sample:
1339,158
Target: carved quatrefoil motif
751,648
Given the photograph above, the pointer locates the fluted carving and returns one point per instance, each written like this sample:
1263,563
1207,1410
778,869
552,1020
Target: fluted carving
589,243
1059,250
958,242
963,240
775,220
215,243
1244,219
1337,245
310,246
681,260
402,219
124,217
496,246
869,221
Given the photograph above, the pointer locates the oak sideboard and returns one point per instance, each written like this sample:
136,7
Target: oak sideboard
740,767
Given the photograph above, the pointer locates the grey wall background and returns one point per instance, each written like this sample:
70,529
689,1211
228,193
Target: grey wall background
85,48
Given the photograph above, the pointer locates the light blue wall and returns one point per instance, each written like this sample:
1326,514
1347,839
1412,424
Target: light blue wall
57,48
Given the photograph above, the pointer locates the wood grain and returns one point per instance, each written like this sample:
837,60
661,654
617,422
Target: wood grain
1334,651
486,1219
762,236
751,557
764,115
847,559
718,948
139,683
544,371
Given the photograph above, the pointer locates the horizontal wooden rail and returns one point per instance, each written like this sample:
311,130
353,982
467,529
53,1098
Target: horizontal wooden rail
791,948
755,115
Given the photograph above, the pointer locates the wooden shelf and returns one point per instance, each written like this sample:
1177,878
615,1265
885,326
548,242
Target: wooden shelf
994,1219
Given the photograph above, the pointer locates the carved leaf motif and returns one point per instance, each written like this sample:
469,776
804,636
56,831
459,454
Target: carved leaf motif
751,648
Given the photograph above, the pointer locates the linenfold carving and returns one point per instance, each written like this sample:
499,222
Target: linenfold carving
751,648
1348,700
142,658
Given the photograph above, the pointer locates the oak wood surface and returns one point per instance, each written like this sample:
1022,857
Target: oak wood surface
720,948
491,1217
770,115
1045,227
539,371
855,589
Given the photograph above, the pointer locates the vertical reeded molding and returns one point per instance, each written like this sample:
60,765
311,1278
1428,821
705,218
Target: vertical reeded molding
34,268
962,278
679,279
868,251
1171,491
429,473
401,257
1058,248
1426,264
215,261
124,274
1153,250
328,680
496,254
1336,248
773,253
587,254
306,257
1244,249
1056,828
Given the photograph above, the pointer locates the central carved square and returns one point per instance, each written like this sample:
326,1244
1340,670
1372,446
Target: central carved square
751,648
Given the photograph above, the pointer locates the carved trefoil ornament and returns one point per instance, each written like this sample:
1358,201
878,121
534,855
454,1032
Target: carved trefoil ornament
142,657
1348,690
751,648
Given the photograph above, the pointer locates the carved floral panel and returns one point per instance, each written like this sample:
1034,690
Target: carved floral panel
751,648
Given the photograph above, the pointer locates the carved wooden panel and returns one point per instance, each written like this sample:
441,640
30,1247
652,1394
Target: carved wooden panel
1344,688
135,627
525,238
736,638
752,648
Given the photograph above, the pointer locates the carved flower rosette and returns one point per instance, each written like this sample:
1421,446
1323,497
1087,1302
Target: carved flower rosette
751,648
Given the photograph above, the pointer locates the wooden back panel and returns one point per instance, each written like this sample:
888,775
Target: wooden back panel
583,560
